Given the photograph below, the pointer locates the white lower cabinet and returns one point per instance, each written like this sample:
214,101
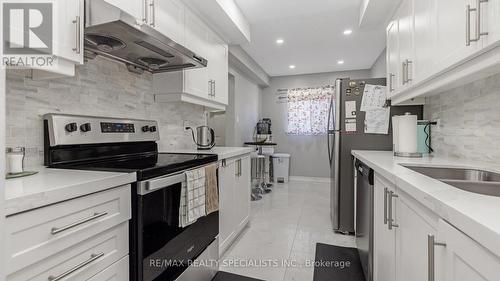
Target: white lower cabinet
462,259
414,226
74,239
234,199
384,258
417,245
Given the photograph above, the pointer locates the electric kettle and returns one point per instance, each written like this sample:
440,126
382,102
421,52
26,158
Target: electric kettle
205,137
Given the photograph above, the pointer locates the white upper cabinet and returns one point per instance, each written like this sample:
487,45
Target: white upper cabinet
393,73
490,12
423,26
456,37
206,86
68,43
435,44
405,37
135,8
218,69
169,19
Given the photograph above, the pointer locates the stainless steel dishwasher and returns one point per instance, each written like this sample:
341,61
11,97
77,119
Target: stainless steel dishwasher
364,217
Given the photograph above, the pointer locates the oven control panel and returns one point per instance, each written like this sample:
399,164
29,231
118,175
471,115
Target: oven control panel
64,129
108,127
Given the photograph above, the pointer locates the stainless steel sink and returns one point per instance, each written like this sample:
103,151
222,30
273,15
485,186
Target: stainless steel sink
473,180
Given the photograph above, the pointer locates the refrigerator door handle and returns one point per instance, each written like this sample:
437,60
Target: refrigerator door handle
328,132
336,156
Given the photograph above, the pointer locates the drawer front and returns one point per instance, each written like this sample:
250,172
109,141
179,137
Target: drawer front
81,261
38,234
119,271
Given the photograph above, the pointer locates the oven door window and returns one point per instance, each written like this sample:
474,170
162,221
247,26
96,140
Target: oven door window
168,249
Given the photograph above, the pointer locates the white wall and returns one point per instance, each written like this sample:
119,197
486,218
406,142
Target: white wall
309,156
243,111
379,68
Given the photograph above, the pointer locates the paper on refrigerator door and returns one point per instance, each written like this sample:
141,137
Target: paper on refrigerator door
377,121
374,97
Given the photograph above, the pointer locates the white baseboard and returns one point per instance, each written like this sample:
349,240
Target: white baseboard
310,179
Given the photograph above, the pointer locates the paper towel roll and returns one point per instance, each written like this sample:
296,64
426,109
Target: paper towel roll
395,133
407,133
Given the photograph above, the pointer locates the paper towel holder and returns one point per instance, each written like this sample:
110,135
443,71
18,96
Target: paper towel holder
407,154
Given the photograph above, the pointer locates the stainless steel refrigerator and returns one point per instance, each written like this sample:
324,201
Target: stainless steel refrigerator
345,112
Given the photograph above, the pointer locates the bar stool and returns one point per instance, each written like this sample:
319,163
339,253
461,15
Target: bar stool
258,170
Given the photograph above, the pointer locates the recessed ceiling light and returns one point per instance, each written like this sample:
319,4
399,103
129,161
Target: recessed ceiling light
291,66
340,61
280,41
347,32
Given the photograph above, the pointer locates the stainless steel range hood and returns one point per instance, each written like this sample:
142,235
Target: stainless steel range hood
112,33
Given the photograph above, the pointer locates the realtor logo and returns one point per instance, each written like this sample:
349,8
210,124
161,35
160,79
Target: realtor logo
27,28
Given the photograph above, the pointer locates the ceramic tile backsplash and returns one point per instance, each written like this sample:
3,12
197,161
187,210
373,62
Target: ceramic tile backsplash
100,87
469,120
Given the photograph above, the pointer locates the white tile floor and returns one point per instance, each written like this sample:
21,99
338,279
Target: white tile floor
285,225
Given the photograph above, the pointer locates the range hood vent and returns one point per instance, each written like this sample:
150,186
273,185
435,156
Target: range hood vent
112,33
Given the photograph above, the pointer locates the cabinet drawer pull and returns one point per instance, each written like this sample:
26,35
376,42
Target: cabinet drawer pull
57,230
431,243
77,48
145,11
385,205
93,258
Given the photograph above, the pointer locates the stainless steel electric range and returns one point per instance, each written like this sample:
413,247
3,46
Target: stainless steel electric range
159,248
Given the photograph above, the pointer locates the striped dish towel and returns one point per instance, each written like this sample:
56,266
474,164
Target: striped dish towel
192,204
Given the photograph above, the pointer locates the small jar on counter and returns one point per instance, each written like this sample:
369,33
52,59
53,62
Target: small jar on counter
14,160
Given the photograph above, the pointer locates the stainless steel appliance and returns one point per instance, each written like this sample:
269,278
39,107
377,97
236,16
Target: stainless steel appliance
364,217
205,137
341,139
128,145
112,33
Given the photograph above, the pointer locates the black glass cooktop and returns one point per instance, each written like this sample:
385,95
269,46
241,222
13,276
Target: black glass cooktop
147,165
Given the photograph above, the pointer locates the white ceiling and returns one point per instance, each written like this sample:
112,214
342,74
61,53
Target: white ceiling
313,34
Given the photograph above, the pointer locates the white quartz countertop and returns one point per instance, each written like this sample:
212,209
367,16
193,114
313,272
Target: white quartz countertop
50,186
474,214
222,152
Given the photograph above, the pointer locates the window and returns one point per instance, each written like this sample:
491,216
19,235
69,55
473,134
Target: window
308,110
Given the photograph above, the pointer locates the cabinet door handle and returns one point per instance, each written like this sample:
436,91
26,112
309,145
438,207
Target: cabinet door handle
390,220
385,205
77,48
153,13
95,216
404,72
431,243
391,79
240,167
93,258
213,81
408,63
479,18
145,12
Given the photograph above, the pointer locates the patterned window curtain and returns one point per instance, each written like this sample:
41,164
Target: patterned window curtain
308,110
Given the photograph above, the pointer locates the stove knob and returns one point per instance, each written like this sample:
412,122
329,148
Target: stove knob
71,127
145,128
85,127
152,129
